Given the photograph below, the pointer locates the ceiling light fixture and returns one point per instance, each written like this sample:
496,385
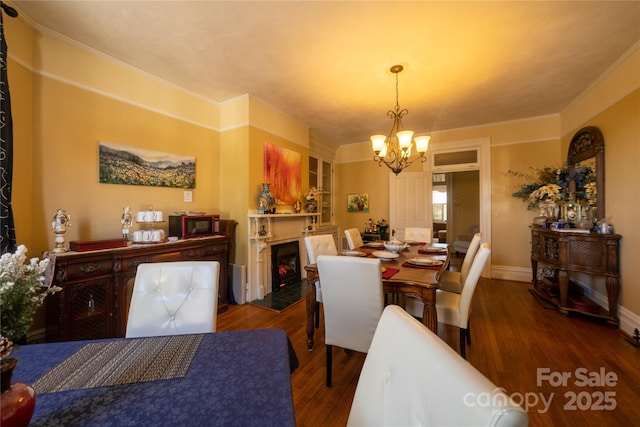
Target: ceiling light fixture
394,150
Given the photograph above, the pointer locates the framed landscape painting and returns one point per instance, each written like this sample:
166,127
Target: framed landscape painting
126,164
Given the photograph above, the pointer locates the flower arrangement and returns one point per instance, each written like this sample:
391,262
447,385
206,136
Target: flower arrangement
312,193
553,184
22,291
360,199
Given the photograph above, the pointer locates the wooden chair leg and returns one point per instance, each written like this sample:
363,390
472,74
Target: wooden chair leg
463,352
469,333
317,314
329,363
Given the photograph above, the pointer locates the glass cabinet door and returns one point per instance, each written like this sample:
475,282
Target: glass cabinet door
320,176
326,193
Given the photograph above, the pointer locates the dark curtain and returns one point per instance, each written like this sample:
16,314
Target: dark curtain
7,232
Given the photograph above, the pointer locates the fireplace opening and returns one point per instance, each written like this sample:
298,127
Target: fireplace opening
285,265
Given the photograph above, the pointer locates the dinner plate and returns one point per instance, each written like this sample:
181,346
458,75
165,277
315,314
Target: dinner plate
375,244
385,255
354,253
432,249
426,261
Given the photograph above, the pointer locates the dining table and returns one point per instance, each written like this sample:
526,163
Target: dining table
415,272
235,378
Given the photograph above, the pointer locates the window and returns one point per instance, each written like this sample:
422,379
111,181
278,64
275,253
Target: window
439,198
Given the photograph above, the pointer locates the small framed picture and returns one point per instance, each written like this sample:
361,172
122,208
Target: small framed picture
358,202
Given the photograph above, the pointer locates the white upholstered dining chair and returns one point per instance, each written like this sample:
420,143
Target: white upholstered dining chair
454,309
418,234
352,302
321,244
354,238
451,281
411,377
174,298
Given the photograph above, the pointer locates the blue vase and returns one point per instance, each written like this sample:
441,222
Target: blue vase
266,202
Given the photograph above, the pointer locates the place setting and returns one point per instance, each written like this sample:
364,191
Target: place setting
374,245
426,249
423,262
385,255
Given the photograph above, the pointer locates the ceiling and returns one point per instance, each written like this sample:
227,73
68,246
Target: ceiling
326,63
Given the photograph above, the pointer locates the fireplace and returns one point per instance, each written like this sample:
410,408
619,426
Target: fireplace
285,265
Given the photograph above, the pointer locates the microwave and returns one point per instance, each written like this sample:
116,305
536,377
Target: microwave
190,226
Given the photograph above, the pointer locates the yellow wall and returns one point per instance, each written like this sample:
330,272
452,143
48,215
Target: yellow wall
67,123
67,99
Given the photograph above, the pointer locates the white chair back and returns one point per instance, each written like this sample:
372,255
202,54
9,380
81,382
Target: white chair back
469,256
470,283
354,239
321,244
352,300
411,377
418,234
173,298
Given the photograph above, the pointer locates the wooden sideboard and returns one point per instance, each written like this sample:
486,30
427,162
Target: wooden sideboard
591,253
97,285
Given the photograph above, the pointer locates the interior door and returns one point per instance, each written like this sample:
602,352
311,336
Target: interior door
409,201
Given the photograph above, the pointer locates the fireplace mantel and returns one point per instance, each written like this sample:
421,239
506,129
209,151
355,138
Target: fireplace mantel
266,230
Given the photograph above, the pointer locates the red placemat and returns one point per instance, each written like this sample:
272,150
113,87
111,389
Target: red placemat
430,267
388,274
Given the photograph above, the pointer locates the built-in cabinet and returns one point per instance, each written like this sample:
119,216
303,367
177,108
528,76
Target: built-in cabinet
566,252
97,285
321,177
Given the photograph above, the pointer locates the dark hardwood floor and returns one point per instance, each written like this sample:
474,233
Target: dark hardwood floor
513,336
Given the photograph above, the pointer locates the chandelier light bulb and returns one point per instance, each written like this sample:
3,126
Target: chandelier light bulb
404,139
378,142
422,143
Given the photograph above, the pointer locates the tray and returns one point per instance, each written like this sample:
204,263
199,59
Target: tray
94,245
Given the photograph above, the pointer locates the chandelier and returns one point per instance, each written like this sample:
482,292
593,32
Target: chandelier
394,150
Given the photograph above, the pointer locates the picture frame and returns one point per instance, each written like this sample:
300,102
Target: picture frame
130,165
358,202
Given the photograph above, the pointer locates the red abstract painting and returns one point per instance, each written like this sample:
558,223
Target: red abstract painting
282,169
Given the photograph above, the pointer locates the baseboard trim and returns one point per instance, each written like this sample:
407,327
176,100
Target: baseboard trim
629,321
505,272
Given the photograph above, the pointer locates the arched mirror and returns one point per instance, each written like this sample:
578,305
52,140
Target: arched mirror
587,149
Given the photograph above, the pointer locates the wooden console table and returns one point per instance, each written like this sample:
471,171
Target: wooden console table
97,285
590,253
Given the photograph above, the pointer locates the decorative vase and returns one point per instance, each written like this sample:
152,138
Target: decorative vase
297,206
311,206
18,400
541,219
266,202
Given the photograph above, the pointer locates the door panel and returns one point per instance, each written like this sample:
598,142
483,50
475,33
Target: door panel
409,201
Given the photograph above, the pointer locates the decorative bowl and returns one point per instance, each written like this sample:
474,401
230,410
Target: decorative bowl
394,246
